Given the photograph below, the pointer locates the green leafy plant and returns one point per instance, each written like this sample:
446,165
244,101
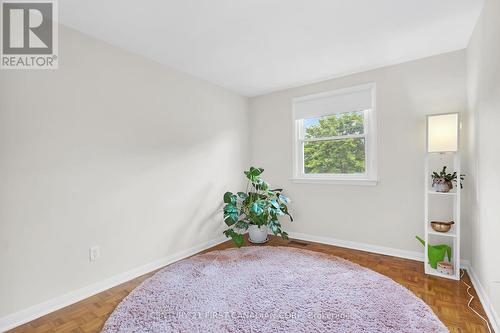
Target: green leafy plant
259,205
445,177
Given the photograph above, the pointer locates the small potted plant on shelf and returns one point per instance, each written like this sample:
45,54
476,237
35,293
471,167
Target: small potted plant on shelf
443,181
255,210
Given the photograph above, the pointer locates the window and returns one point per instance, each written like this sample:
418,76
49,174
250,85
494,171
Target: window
335,137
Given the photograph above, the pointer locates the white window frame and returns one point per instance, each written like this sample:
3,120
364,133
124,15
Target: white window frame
369,177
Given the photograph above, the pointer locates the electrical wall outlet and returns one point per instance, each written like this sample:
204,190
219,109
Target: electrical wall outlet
94,253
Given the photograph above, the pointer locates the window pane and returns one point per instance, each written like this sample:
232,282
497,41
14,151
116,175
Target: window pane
347,123
344,156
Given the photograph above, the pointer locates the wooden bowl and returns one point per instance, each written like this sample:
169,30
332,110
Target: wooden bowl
440,226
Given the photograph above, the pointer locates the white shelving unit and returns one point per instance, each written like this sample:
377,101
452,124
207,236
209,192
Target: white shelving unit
449,201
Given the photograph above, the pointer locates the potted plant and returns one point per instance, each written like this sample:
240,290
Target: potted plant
443,181
255,210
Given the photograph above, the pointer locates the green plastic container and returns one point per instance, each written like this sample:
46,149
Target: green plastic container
436,252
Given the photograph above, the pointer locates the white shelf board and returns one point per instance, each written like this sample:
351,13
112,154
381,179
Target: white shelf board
435,272
450,233
442,193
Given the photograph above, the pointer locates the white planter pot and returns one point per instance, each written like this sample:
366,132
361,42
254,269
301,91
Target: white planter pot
256,234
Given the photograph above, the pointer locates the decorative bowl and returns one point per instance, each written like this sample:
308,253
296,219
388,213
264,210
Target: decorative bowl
440,226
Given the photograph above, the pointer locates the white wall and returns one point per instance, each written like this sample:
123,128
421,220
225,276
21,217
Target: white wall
483,62
113,150
391,213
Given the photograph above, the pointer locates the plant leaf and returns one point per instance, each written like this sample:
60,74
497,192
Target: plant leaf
228,197
284,198
257,208
229,220
241,225
238,240
236,237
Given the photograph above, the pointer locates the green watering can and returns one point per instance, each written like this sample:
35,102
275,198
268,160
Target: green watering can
436,252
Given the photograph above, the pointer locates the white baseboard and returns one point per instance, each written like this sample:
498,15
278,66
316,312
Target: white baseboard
388,251
38,310
485,300
413,255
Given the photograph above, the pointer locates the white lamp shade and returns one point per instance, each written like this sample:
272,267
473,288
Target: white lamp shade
442,133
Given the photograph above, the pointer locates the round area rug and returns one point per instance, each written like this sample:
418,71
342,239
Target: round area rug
270,289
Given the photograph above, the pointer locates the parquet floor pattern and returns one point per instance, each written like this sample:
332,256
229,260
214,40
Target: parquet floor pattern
447,298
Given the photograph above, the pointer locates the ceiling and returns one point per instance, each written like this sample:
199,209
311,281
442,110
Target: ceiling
258,46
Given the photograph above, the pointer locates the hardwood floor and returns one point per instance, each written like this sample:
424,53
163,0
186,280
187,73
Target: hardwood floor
447,298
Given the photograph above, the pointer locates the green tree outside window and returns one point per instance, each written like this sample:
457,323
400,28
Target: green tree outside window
339,155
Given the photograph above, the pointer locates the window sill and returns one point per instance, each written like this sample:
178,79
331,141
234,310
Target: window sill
334,181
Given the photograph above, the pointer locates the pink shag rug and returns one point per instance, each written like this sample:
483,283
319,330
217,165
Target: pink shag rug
270,289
